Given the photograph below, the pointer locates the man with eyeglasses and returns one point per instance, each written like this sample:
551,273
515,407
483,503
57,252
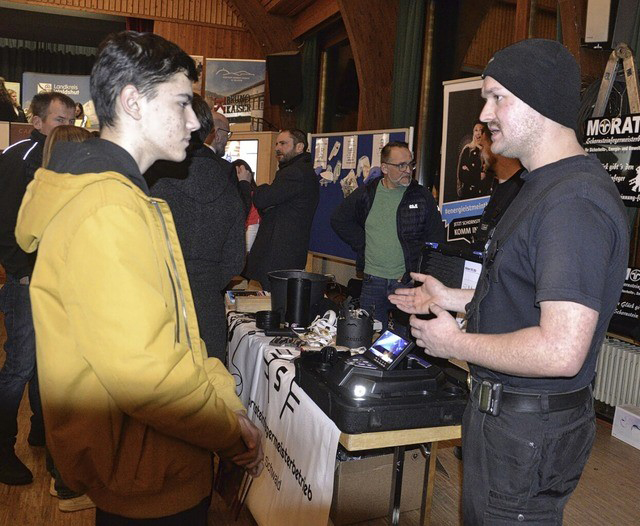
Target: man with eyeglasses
220,133
217,141
386,222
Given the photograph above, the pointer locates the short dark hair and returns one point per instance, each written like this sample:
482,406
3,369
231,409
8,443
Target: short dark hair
385,153
143,60
298,136
205,118
40,103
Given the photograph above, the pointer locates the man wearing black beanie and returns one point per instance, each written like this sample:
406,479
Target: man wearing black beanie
552,275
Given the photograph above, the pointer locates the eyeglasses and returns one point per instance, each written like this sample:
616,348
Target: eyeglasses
403,166
228,132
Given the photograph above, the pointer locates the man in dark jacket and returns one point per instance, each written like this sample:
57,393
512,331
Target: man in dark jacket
203,197
18,163
386,222
286,206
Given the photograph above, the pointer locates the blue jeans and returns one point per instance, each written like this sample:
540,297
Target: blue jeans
19,368
374,298
521,468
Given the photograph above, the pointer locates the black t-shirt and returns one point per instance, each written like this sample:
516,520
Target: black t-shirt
573,246
501,197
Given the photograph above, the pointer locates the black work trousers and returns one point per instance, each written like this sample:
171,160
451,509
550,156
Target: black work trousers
521,468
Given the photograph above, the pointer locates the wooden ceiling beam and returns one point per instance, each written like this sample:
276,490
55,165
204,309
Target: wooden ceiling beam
523,16
286,7
371,26
272,32
316,14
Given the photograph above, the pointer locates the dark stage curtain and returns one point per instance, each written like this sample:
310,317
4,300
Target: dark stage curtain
14,61
306,112
407,67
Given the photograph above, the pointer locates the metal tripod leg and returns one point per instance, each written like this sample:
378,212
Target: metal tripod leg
396,485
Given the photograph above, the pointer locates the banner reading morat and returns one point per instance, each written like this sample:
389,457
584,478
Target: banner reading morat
616,143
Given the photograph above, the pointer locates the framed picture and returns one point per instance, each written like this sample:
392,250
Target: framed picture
464,184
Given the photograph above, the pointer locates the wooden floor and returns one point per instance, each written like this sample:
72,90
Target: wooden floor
608,493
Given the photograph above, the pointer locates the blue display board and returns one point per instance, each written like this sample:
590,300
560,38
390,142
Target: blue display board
344,160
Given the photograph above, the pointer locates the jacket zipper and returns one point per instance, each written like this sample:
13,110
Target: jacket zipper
175,303
175,270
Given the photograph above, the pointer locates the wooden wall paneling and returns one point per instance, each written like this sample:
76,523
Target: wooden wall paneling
211,42
473,14
572,15
494,33
371,26
215,11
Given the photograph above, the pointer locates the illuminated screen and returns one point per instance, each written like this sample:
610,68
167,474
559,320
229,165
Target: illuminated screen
245,149
388,346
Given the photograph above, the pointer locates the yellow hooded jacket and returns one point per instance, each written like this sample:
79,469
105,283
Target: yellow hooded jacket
132,405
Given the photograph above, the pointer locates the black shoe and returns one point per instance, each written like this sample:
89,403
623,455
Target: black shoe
36,438
12,471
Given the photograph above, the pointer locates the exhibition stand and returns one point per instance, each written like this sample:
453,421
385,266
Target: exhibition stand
301,441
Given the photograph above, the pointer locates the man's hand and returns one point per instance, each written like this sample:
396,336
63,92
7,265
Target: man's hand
437,334
243,174
418,299
252,458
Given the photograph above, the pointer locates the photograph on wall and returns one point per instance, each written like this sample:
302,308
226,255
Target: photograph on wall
615,141
14,91
465,178
236,88
197,86
75,86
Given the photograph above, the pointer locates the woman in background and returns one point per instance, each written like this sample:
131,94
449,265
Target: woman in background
20,116
244,173
469,170
7,113
82,120
65,133
69,500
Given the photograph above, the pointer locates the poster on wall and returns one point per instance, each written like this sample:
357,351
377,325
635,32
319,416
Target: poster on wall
626,318
197,86
465,184
615,142
75,86
236,88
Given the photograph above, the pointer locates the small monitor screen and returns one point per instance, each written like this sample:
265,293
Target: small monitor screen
245,149
388,350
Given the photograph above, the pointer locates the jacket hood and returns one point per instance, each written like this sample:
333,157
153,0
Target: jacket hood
47,195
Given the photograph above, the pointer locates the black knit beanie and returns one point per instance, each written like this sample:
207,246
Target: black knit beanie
542,73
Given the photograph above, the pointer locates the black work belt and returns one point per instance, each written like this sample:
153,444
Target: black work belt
521,402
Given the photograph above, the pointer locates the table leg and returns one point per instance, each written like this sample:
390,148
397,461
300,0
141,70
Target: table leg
396,485
427,484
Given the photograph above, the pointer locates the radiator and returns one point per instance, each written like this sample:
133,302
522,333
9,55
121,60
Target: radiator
618,374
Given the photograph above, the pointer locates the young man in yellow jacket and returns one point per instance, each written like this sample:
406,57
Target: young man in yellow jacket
133,406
